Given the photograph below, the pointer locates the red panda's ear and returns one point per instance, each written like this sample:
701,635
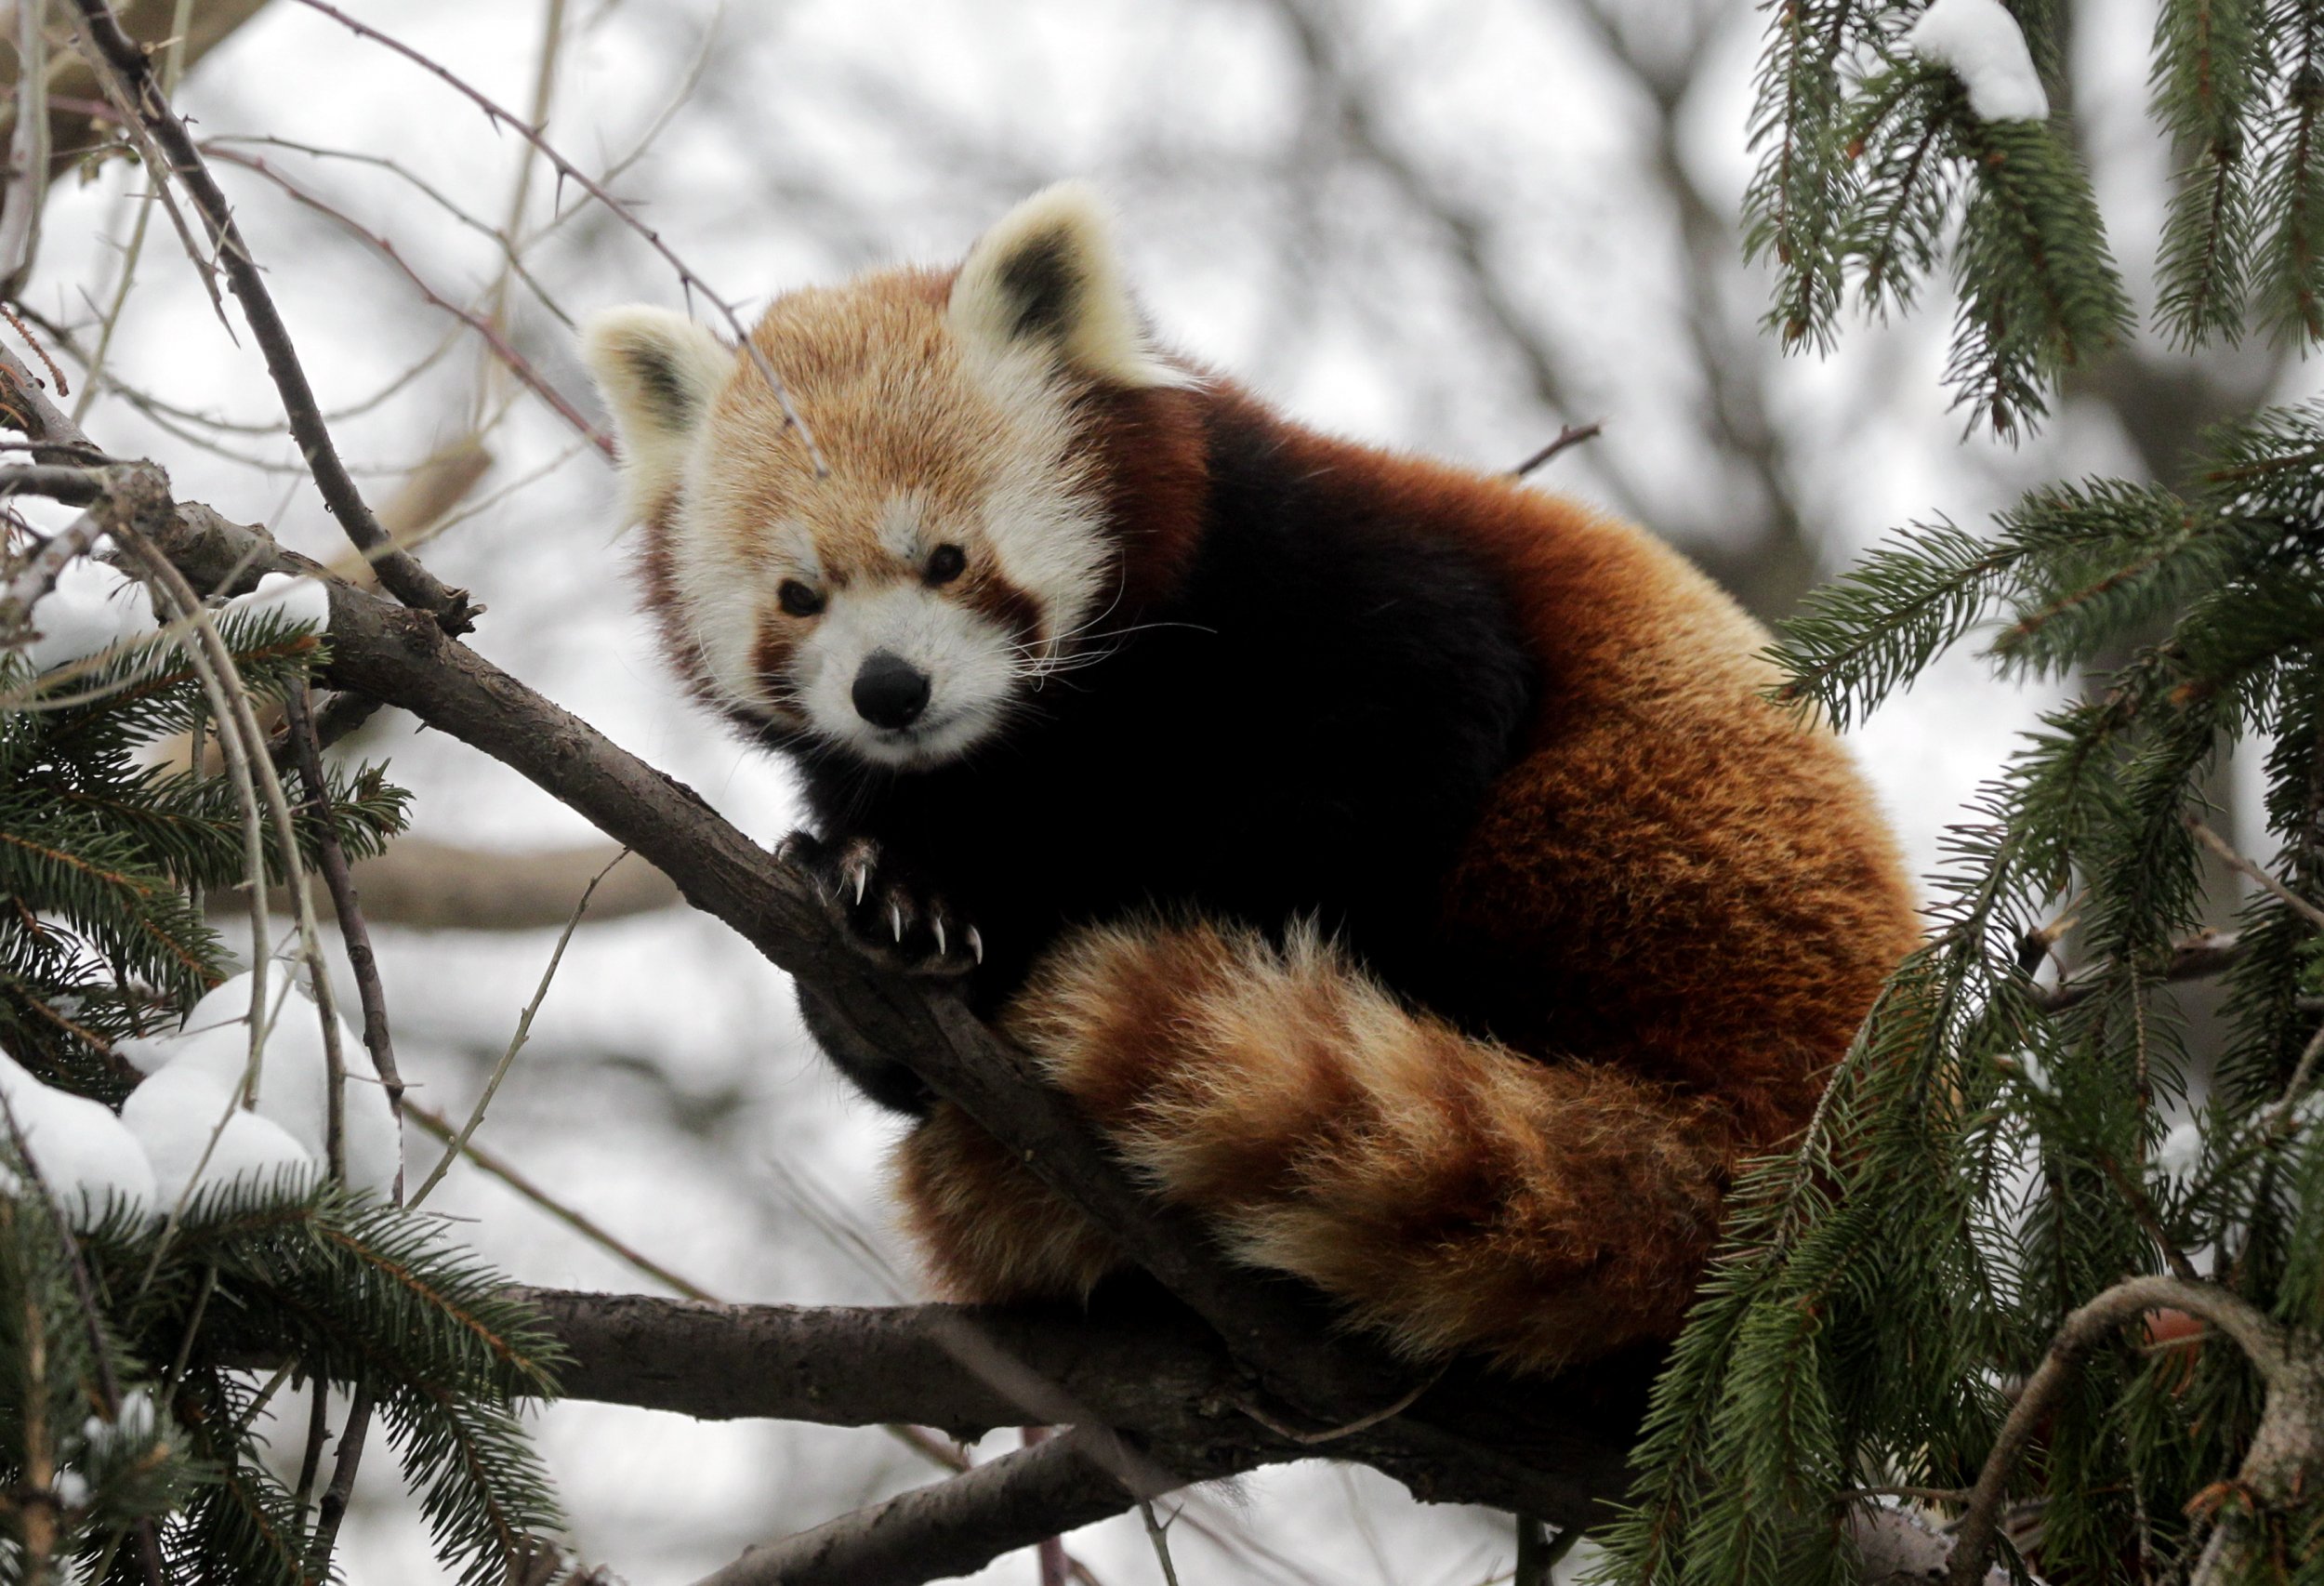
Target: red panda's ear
1047,275
658,372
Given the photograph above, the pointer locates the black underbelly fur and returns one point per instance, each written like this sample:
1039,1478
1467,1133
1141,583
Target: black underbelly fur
1305,731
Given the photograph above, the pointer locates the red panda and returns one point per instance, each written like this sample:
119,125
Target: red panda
1401,866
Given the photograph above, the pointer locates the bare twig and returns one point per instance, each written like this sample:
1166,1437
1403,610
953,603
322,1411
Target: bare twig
1158,1533
173,68
1567,435
516,1042
510,247
39,574
28,149
425,885
568,171
1348,1429
2199,958
412,583
2083,1331
378,1039
435,1123
2286,1111
544,93
2226,855
172,599
237,717
487,329
58,481
333,1508
121,98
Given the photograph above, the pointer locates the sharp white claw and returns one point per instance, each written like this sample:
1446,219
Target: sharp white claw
976,944
895,921
863,881
939,938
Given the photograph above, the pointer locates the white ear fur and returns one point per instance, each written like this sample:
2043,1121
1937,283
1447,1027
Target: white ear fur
1047,272
658,372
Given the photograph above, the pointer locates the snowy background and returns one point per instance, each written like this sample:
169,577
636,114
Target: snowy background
1449,227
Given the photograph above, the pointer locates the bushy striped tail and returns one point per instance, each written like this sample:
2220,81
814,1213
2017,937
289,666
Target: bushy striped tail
1451,1194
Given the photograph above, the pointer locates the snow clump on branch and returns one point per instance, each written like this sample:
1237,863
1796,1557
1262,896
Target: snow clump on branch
85,1155
1985,47
198,1072
92,608
185,1127
287,595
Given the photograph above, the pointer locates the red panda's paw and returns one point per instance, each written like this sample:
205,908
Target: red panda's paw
1451,1194
889,913
989,1230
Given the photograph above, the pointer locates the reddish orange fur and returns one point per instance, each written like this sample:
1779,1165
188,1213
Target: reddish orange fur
1679,902
1671,909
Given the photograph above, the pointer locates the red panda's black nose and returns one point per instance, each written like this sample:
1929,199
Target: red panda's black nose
890,691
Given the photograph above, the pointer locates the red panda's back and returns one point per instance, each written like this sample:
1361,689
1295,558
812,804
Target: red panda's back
1678,877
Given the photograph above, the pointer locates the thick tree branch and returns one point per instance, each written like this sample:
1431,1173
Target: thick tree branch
955,1527
426,885
1274,1329
1191,1400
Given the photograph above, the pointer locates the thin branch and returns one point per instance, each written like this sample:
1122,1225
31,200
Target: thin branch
486,328
332,1509
544,94
516,1041
1158,1533
1568,435
2082,1332
173,68
436,1124
28,149
398,570
40,570
354,933
57,481
511,248
2286,1110
2228,856
2199,958
568,171
119,99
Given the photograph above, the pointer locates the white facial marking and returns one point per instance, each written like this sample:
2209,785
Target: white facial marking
900,521
1042,520
971,667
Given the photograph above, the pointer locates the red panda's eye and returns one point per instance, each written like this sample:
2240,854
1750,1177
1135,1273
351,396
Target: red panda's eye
945,563
798,600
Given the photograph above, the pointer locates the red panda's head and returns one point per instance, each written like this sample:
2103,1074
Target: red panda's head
899,605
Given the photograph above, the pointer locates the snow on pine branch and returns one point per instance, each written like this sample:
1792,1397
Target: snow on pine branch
184,1126
1985,47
